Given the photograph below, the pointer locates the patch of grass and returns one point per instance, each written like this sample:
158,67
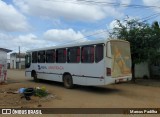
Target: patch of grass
40,93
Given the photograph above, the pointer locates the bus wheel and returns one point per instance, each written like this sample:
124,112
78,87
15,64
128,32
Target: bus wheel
68,82
35,77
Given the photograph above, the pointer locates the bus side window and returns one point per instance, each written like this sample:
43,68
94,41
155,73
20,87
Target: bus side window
61,55
98,53
68,56
38,58
34,57
73,55
50,56
78,55
82,54
92,54
87,54
41,57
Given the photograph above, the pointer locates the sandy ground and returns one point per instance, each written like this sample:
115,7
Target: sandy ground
124,95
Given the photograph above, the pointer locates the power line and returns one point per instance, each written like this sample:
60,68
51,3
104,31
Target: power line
85,37
144,19
118,4
90,2
150,17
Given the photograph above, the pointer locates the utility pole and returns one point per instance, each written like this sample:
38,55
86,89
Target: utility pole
19,58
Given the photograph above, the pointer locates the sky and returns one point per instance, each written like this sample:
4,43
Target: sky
43,23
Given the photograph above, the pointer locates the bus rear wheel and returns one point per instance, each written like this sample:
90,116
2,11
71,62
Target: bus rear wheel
68,82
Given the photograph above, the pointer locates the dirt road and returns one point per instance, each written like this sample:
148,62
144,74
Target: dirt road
112,96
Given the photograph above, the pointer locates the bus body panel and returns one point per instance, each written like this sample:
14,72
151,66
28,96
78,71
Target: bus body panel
90,74
94,75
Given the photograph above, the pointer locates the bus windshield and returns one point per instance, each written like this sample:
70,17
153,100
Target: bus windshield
121,58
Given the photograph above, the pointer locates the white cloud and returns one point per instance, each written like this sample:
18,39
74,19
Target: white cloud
152,3
27,39
31,41
63,36
11,19
114,23
71,9
125,1
26,42
4,36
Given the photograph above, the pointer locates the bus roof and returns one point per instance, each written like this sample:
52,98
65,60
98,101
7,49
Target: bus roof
90,42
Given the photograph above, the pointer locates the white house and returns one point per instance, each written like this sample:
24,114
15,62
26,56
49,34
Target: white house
142,70
3,64
17,61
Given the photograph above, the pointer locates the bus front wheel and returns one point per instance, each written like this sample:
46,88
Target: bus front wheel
35,77
68,82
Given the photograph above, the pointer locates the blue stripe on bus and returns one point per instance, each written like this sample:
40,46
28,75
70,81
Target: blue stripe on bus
72,75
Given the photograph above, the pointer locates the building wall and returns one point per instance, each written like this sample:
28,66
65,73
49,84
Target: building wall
3,58
141,70
22,64
3,66
14,62
155,69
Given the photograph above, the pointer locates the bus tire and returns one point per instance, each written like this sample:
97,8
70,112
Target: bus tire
68,82
35,77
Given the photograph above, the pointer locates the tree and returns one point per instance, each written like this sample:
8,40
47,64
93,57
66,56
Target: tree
155,58
144,39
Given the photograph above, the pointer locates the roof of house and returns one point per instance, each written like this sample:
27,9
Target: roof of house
6,50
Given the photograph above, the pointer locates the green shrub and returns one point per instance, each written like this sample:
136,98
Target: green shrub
40,93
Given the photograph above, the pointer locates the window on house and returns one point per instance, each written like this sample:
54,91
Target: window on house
73,55
61,55
87,54
34,57
50,56
98,53
41,57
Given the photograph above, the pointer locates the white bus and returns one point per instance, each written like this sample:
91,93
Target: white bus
90,63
